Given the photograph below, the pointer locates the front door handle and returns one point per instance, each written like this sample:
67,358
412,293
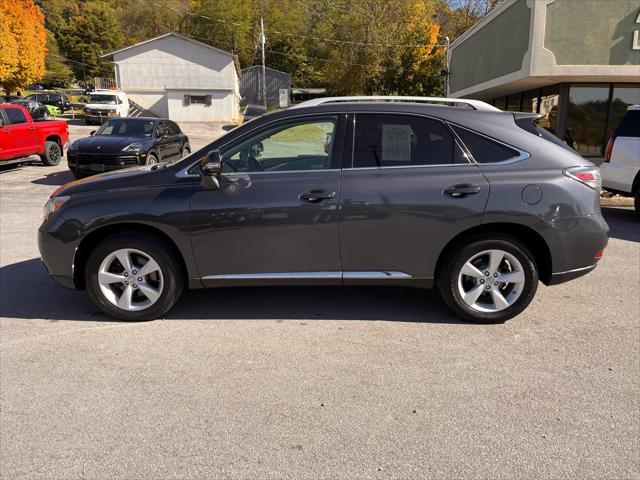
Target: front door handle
459,191
315,196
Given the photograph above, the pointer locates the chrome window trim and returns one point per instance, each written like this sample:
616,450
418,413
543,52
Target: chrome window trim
335,275
413,166
184,173
522,155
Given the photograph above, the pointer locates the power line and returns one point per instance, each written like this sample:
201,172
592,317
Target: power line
316,58
298,35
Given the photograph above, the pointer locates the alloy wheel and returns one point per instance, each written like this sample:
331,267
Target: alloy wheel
130,279
491,281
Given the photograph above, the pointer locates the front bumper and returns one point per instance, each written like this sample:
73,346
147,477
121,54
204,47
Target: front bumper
100,163
100,116
57,250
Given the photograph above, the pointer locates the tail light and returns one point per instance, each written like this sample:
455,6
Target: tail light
607,151
590,176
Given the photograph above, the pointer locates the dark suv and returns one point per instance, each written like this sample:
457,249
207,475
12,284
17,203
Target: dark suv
59,100
124,142
458,195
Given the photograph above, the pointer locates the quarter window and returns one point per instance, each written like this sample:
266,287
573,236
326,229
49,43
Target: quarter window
304,145
383,140
483,149
15,115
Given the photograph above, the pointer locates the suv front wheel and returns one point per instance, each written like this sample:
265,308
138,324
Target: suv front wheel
489,279
133,277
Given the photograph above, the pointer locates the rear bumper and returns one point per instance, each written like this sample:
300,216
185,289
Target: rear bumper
576,246
561,277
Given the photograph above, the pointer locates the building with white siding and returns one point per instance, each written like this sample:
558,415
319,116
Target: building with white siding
179,78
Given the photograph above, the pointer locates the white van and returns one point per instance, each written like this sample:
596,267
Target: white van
621,167
105,104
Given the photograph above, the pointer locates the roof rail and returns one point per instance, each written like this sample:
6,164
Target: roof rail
474,104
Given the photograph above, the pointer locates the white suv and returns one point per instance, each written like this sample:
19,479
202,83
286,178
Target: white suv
105,104
621,167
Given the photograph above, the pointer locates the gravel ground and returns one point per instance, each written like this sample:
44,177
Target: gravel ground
313,382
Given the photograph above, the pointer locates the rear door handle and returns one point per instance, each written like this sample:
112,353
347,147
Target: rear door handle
315,196
458,191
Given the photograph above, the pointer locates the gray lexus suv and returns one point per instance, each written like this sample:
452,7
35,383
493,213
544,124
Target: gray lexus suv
419,192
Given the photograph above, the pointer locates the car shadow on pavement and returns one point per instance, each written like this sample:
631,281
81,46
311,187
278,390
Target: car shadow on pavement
623,223
27,292
55,178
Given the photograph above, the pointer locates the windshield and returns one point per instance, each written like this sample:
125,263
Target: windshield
127,128
106,99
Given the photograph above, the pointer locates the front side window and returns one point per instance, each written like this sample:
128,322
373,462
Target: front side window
303,145
15,115
383,140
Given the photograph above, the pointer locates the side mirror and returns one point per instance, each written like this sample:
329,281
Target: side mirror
92,132
210,168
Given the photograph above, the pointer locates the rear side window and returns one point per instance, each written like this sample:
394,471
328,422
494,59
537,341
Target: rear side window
383,140
15,115
483,149
630,125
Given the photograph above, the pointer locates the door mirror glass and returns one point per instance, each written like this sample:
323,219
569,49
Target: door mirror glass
210,168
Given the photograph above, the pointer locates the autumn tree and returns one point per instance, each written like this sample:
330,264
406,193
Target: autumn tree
23,38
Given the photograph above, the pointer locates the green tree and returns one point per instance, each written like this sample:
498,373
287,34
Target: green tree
96,29
58,73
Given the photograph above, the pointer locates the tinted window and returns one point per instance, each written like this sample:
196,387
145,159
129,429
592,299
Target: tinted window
483,149
173,128
402,140
304,145
630,125
15,115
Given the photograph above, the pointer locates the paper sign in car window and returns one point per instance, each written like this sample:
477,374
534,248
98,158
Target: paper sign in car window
396,143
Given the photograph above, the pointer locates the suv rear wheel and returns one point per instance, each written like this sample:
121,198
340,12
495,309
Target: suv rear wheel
133,277
489,279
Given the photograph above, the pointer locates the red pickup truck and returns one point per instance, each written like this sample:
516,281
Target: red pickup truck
21,137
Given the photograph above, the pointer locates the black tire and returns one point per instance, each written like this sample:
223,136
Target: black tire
186,152
447,279
78,175
636,203
52,154
151,159
155,249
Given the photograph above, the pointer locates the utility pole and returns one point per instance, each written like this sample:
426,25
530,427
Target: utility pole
264,70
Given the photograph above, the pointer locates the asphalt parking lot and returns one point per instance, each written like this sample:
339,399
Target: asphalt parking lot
313,382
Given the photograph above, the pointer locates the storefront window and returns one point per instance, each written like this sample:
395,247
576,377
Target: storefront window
623,96
549,100
513,102
530,101
586,119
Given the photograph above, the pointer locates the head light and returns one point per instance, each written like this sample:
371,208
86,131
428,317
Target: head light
53,205
132,147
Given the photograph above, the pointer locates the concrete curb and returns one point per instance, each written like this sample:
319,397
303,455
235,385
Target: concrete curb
616,201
